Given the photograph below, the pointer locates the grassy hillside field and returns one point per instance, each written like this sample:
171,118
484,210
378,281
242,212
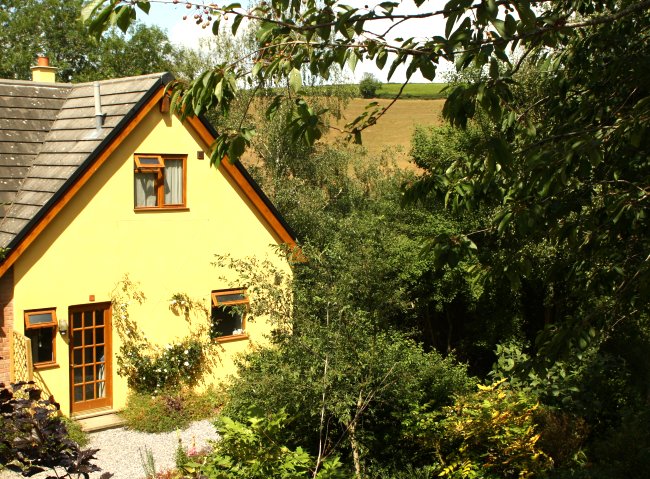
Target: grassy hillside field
421,104
423,91
395,128
420,91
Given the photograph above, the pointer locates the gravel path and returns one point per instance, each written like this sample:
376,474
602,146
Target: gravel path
119,449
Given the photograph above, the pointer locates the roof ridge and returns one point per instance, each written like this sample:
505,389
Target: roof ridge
161,75
10,81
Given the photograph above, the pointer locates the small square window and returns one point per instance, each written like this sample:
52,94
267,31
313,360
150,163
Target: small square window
40,328
159,181
149,162
229,309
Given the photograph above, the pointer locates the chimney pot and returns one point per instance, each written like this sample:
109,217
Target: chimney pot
42,71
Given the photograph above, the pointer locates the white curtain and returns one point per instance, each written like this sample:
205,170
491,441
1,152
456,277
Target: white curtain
145,191
101,376
173,173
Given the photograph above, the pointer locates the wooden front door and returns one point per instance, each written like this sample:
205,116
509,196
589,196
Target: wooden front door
90,356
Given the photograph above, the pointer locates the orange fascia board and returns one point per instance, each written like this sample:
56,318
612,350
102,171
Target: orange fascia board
72,190
247,189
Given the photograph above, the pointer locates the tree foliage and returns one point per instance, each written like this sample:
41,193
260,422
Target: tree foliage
54,28
564,164
293,35
369,85
565,225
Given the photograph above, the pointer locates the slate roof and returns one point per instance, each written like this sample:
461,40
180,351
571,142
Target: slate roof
27,112
48,136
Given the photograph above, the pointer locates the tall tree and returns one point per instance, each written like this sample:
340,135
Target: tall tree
54,28
142,50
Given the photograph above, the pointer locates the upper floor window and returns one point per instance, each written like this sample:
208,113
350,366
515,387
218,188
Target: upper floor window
40,328
159,181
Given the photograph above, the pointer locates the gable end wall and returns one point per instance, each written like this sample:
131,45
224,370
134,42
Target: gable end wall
6,324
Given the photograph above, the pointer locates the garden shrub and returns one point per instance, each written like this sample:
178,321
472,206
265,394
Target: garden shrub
369,85
170,410
34,439
174,365
491,433
408,472
562,437
152,368
386,369
254,450
75,432
624,452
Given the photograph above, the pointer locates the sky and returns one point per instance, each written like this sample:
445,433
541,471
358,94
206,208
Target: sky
169,17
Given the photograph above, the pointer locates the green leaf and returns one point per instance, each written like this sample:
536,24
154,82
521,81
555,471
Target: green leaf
491,7
451,21
218,91
636,136
247,133
525,13
89,9
510,26
235,23
274,106
352,59
463,32
295,80
530,128
428,69
123,17
98,24
382,56
257,68
397,62
264,31
500,26
504,222
145,6
494,68
237,148
499,148
215,26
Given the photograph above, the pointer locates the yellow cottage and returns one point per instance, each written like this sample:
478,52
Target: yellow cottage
99,181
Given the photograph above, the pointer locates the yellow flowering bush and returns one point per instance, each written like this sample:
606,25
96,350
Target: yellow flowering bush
490,433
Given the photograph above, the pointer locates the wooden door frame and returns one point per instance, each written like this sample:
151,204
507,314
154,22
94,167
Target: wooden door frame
107,401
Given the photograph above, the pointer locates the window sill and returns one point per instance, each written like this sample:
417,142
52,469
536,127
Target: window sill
49,365
234,337
159,209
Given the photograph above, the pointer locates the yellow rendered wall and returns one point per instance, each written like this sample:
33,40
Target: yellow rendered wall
98,238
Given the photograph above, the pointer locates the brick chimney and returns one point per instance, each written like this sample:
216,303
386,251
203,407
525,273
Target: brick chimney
42,71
